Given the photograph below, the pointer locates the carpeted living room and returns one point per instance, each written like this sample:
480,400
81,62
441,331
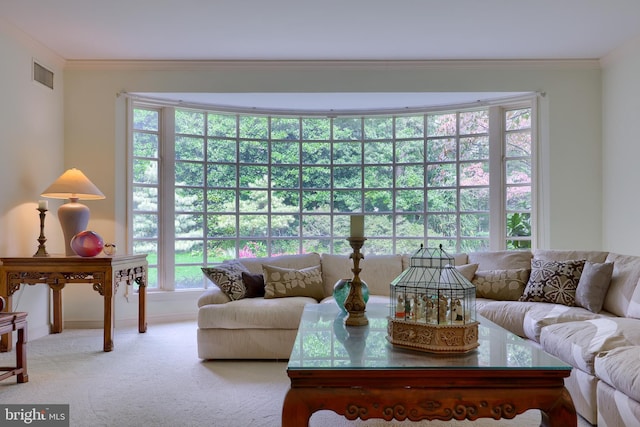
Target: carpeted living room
247,140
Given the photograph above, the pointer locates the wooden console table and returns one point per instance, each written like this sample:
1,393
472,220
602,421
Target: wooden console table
104,273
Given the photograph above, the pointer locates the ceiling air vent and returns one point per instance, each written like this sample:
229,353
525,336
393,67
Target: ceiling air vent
42,75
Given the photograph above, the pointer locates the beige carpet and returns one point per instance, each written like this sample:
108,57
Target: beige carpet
155,379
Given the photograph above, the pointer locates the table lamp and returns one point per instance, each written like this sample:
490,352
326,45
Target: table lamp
73,216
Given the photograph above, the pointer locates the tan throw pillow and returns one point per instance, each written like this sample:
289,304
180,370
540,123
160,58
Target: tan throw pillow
288,282
553,281
228,277
502,285
467,270
593,285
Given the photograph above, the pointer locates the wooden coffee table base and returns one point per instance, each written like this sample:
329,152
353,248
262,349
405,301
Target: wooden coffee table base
429,395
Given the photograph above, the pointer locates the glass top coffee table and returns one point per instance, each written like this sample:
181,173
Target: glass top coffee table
355,372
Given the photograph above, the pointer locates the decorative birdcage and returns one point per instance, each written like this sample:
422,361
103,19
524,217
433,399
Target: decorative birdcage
433,306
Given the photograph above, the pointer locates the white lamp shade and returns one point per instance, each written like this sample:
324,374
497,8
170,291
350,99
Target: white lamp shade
73,184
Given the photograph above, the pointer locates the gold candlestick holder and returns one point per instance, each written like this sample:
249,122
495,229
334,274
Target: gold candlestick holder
355,304
42,250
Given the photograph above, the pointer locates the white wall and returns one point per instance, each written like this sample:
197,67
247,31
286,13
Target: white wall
621,149
31,157
570,132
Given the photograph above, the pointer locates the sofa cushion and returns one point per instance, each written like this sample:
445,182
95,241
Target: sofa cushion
254,313
593,285
578,343
508,314
254,265
626,272
501,284
378,271
290,282
228,277
565,255
553,281
500,260
620,368
544,314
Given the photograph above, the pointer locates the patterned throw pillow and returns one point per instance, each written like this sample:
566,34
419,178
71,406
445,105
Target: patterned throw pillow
228,277
553,281
501,285
288,282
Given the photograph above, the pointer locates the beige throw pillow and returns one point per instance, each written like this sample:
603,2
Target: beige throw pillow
467,270
593,285
288,282
502,285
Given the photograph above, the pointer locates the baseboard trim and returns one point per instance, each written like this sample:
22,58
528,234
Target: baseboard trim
126,323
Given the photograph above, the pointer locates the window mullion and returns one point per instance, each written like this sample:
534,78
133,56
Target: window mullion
166,214
497,219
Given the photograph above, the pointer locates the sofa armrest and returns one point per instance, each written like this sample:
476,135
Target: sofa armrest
213,296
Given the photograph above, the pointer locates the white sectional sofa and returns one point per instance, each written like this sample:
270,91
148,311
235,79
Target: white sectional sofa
601,342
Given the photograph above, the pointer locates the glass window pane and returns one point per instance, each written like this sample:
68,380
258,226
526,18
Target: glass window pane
410,225
378,152
411,176
189,199
410,127
145,119
285,128
221,175
441,124
410,200
442,200
223,125
441,150
145,145
474,173
254,127
189,148
189,225
519,198
316,129
347,152
221,150
316,153
316,201
347,177
254,151
316,177
316,225
145,171
253,225
378,127
474,199
410,151
187,173
221,226
347,201
145,198
378,201
441,175
254,201
285,177
285,225
518,171
518,144
285,201
474,225
474,148
345,128
145,225
285,153
518,119
378,176
442,225
189,122
253,176
474,122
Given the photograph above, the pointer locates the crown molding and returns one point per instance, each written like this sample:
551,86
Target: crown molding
289,65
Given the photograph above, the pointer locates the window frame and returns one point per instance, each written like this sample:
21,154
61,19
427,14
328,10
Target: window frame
497,238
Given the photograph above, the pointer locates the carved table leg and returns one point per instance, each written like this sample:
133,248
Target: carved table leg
295,411
563,413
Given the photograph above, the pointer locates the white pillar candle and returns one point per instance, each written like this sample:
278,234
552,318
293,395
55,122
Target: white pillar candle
43,204
357,225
